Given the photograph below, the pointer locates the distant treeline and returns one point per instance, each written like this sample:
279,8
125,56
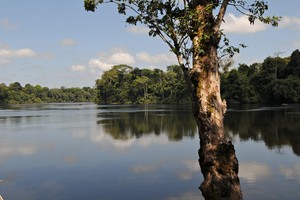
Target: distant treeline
14,93
276,80
123,84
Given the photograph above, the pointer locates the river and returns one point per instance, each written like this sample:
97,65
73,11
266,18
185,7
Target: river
87,151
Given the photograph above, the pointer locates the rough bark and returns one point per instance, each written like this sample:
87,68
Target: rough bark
219,164
217,158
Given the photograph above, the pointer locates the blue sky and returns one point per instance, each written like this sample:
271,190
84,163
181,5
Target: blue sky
58,43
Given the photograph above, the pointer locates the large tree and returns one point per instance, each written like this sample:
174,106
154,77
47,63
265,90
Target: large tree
192,30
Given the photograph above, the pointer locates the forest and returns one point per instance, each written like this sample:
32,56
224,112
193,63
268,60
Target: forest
15,93
275,81
123,84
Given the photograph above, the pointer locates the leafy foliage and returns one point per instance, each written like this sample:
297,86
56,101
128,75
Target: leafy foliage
276,80
16,94
124,85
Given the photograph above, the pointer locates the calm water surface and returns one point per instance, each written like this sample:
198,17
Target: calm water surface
85,151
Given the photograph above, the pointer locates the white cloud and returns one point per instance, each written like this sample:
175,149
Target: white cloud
253,171
25,53
6,54
138,29
100,64
68,42
121,58
143,56
105,62
241,25
11,53
156,59
290,22
78,68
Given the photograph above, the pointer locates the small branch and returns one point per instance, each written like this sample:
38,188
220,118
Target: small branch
160,34
242,12
221,15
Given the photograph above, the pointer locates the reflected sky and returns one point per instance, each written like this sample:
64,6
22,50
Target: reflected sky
85,151
267,145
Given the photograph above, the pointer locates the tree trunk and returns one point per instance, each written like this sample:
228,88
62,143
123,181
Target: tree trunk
217,158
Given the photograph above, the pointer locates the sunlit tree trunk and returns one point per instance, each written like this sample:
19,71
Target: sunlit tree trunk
217,158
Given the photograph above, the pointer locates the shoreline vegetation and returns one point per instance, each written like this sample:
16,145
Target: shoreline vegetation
274,81
15,93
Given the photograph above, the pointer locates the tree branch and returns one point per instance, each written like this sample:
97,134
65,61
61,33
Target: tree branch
221,15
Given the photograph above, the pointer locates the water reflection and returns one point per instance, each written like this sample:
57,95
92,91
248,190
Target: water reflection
291,172
128,152
253,172
276,126
125,123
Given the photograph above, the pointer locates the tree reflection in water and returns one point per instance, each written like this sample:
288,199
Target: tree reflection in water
128,122
276,126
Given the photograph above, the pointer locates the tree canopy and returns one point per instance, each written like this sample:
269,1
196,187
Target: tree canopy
123,84
15,93
276,80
